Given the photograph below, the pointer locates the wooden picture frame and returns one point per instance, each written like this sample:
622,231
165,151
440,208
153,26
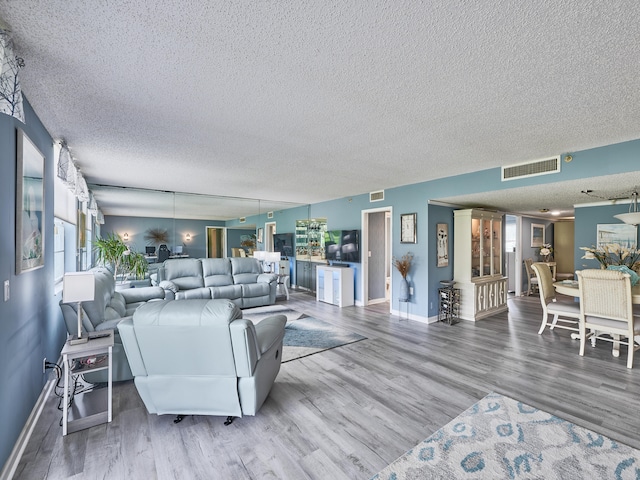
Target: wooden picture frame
537,235
408,227
442,245
29,204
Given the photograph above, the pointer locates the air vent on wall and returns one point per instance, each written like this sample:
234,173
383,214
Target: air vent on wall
243,219
376,196
531,169
269,214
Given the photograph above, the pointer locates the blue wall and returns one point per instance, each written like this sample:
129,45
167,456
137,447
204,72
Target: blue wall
586,225
32,327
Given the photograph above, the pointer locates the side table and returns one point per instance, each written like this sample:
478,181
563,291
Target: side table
93,407
283,285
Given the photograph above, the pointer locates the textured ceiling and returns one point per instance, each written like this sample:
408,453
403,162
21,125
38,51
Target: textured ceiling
308,101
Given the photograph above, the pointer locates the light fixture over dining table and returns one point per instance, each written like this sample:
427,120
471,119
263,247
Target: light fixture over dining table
633,216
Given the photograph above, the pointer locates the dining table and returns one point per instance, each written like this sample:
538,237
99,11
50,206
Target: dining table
570,288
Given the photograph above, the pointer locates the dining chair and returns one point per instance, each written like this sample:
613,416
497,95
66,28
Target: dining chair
532,280
606,308
550,305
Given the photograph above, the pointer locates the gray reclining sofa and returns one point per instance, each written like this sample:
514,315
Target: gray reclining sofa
237,279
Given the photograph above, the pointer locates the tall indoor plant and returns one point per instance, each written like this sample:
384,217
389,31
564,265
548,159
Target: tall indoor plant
113,252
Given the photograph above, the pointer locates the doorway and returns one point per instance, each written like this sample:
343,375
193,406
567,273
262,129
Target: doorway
376,260
216,242
269,232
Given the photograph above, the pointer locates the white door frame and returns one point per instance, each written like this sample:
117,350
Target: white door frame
269,231
365,250
224,239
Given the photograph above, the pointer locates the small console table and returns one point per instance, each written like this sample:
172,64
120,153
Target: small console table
92,407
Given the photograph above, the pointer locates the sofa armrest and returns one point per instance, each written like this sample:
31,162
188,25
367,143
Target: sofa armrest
131,348
270,331
267,278
142,294
169,285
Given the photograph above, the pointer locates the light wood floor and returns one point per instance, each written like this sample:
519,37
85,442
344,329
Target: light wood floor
348,412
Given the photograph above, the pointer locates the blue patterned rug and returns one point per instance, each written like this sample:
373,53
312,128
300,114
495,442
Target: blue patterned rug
308,335
501,438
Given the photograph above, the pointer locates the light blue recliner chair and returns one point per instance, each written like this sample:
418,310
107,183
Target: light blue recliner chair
199,357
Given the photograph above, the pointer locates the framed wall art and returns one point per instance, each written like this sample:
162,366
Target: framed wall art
624,235
408,226
537,235
29,205
442,232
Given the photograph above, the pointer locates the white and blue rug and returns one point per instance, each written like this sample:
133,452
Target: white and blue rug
501,438
307,336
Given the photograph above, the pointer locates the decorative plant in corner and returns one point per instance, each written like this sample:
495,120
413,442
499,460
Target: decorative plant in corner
114,253
403,265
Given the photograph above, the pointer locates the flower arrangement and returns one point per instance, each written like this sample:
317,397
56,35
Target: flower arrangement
545,251
614,254
403,264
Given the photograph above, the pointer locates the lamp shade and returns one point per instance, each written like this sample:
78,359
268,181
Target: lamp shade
78,287
272,257
631,218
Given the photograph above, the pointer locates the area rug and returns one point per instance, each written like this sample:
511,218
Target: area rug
307,336
499,437
260,313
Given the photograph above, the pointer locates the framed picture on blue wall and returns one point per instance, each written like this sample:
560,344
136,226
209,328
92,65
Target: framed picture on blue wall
537,235
29,205
408,224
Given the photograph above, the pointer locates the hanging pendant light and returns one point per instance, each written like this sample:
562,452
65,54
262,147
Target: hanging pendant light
633,217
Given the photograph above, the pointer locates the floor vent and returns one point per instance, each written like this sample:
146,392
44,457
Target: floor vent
376,196
531,169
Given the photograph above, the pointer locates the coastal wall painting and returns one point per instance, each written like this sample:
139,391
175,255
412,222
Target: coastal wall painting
29,205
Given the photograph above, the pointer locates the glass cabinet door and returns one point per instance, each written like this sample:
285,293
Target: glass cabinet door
475,248
496,247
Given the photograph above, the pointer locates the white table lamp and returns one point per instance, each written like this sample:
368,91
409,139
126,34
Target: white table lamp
273,258
78,287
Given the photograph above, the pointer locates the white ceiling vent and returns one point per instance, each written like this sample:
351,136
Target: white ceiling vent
376,196
531,169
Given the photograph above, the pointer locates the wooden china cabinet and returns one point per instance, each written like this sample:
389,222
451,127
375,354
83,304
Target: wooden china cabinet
478,265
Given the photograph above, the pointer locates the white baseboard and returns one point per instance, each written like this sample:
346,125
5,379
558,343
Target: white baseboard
12,462
412,316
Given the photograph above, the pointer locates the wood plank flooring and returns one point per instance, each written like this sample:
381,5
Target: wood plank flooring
348,412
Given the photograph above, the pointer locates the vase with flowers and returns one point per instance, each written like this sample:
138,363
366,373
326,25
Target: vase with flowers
614,254
546,252
403,265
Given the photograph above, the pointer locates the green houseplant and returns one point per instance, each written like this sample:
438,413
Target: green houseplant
113,252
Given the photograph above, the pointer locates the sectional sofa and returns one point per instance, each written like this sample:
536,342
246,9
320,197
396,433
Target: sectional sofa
237,279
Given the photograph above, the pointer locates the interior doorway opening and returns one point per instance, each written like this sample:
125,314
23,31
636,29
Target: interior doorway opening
376,260
216,242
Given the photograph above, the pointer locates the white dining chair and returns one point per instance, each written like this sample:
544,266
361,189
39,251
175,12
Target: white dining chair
606,308
532,280
550,306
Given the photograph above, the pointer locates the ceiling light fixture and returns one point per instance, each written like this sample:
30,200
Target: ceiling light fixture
633,217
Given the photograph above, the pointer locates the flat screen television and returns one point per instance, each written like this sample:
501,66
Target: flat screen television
350,246
342,245
283,243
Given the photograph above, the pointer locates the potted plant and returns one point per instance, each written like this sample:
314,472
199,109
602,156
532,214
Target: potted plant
403,265
113,252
